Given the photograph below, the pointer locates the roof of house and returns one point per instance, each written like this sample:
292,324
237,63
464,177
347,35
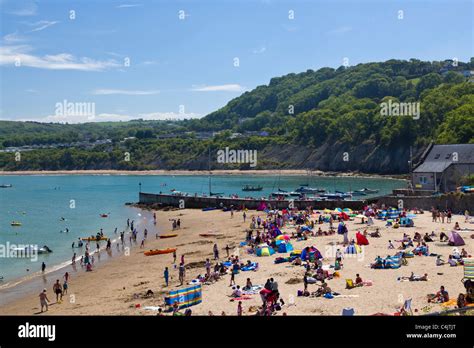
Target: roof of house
441,157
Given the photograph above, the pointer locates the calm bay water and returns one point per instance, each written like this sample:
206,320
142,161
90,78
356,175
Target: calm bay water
39,203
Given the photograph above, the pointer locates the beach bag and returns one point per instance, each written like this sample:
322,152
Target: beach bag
328,296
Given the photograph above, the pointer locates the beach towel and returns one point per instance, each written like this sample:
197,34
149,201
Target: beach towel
253,267
254,290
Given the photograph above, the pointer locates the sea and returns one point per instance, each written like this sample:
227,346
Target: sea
56,210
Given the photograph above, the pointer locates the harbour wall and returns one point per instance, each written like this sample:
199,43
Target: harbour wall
455,202
206,202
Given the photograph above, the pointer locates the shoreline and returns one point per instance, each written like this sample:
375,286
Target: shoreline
233,172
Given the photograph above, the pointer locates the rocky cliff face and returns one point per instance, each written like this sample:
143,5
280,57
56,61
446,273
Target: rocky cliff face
337,157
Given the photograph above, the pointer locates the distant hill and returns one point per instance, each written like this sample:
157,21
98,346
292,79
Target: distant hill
329,119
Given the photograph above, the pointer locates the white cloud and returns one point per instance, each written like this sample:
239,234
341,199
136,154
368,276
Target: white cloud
124,92
41,25
259,50
340,30
111,117
13,38
129,5
9,55
219,88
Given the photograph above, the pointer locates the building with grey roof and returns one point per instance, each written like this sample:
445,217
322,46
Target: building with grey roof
443,168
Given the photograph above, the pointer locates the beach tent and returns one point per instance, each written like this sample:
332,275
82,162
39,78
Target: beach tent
393,213
338,210
310,253
285,247
344,216
361,239
347,210
265,250
406,222
186,297
455,239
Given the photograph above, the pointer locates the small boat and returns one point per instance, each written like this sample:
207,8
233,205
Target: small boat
211,234
6,185
160,251
367,190
357,193
310,190
335,195
15,223
94,239
252,188
104,215
168,236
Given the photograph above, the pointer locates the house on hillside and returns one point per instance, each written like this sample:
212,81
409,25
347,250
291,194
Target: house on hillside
443,167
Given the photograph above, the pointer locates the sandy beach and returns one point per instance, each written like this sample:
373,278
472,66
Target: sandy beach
118,286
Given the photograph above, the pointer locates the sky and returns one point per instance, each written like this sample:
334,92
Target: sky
156,59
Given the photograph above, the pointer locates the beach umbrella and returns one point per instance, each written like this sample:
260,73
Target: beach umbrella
347,210
327,211
338,210
283,237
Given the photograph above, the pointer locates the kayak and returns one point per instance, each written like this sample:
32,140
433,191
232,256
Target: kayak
94,239
15,223
211,234
168,235
104,215
160,251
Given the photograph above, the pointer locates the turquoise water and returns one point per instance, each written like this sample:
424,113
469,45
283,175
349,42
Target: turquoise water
39,203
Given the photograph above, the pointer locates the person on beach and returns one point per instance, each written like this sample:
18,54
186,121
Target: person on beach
216,252
466,216
58,290
182,259
174,257
166,274
227,249
182,273
43,300
73,261
142,245
43,267
65,287
232,278
145,233
244,216
66,276
178,224
208,268
82,261
239,309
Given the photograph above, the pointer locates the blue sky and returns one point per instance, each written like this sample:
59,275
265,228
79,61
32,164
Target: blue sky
182,68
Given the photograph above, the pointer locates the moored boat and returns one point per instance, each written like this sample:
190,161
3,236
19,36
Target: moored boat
168,236
252,188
